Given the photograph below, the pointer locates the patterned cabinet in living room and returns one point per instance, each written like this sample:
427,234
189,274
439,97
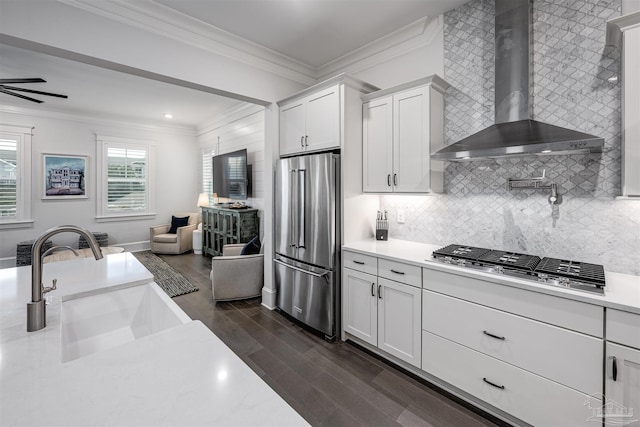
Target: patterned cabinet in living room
222,226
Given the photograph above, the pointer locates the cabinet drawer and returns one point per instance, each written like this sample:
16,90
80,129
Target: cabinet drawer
567,313
564,356
400,272
365,263
526,396
623,327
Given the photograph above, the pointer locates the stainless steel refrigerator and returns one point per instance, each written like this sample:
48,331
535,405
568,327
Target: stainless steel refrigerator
307,236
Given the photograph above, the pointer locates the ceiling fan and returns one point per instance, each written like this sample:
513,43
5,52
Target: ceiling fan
10,90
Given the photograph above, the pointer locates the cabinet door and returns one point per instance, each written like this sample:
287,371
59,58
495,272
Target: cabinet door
292,128
377,151
360,306
399,313
411,148
323,120
623,392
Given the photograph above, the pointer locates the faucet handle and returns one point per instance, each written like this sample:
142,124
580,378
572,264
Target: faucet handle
50,288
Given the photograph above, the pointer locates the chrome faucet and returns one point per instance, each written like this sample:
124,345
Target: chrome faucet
36,315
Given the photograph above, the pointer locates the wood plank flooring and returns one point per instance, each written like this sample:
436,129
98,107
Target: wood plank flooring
329,384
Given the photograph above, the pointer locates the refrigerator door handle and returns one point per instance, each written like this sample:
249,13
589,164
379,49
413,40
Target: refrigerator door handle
302,270
301,207
292,208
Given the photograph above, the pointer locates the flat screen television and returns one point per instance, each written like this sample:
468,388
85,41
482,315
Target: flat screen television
230,175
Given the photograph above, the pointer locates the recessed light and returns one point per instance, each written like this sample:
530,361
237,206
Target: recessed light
545,151
168,116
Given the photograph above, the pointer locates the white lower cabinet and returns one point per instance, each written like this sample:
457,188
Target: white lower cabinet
622,386
383,313
526,396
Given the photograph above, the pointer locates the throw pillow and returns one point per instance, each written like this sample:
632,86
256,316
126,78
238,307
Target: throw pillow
177,222
252,247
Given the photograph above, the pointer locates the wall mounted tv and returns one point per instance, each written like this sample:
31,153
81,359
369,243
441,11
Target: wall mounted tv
231,175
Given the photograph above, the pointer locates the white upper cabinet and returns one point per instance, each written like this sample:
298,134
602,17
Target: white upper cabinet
624,32
311,123
377,167
402,126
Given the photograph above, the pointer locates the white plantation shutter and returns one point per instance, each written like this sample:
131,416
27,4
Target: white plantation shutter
15,176
206,170
125,177
8,176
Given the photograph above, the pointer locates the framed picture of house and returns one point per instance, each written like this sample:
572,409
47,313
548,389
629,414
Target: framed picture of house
65,177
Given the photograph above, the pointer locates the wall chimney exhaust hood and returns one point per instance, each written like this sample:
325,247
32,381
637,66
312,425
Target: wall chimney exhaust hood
514,133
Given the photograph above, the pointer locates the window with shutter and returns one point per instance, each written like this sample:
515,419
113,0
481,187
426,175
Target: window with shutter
125,174
15,176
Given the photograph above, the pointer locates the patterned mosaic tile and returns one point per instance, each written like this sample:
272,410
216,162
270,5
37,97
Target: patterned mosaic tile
570,89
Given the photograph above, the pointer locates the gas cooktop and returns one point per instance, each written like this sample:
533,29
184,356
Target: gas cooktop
551,271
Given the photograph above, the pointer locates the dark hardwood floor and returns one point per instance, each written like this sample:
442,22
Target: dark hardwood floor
329,384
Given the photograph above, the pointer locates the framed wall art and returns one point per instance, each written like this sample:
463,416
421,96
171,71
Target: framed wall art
65,177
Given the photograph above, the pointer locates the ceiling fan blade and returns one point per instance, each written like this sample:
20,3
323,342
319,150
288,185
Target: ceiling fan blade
19,89
20,96
27,80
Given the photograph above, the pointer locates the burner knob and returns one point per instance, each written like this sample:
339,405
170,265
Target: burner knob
461,262
542,277
498,269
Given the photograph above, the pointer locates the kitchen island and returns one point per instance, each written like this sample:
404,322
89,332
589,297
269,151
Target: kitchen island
182,375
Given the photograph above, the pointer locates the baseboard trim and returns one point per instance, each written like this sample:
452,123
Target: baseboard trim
269,298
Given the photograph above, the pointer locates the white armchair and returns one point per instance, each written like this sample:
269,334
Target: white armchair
163,242
235,276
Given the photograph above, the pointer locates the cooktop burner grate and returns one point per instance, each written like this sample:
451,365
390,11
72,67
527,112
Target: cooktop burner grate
593,273
511,260
461,252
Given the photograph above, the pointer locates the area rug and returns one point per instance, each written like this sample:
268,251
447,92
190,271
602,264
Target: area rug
170,280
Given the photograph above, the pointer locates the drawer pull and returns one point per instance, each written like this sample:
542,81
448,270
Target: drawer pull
379,291
501,387
493,336
373,289
358,262
614,369
397,272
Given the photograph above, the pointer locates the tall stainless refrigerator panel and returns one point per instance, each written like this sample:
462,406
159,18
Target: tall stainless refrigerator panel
306,237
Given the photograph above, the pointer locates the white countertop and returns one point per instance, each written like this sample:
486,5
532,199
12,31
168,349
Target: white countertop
181,376
622,291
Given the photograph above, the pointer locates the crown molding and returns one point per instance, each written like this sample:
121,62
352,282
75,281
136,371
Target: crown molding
150,16
97,119
412,37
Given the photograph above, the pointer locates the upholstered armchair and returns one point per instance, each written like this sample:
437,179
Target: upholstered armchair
235,276
163,242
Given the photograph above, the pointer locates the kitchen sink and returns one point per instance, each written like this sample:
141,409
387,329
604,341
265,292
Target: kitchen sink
99,322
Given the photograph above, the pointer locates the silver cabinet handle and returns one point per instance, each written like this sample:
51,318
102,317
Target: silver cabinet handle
379,291
358,262
306,140
388,180
395,179
373,289
302,141
397,272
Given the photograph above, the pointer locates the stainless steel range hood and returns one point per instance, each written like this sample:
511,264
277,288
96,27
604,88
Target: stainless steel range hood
514,133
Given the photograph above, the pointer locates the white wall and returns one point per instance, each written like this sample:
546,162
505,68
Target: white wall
239,129
176,178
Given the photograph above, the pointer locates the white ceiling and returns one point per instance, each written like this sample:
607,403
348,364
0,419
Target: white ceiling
312,32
